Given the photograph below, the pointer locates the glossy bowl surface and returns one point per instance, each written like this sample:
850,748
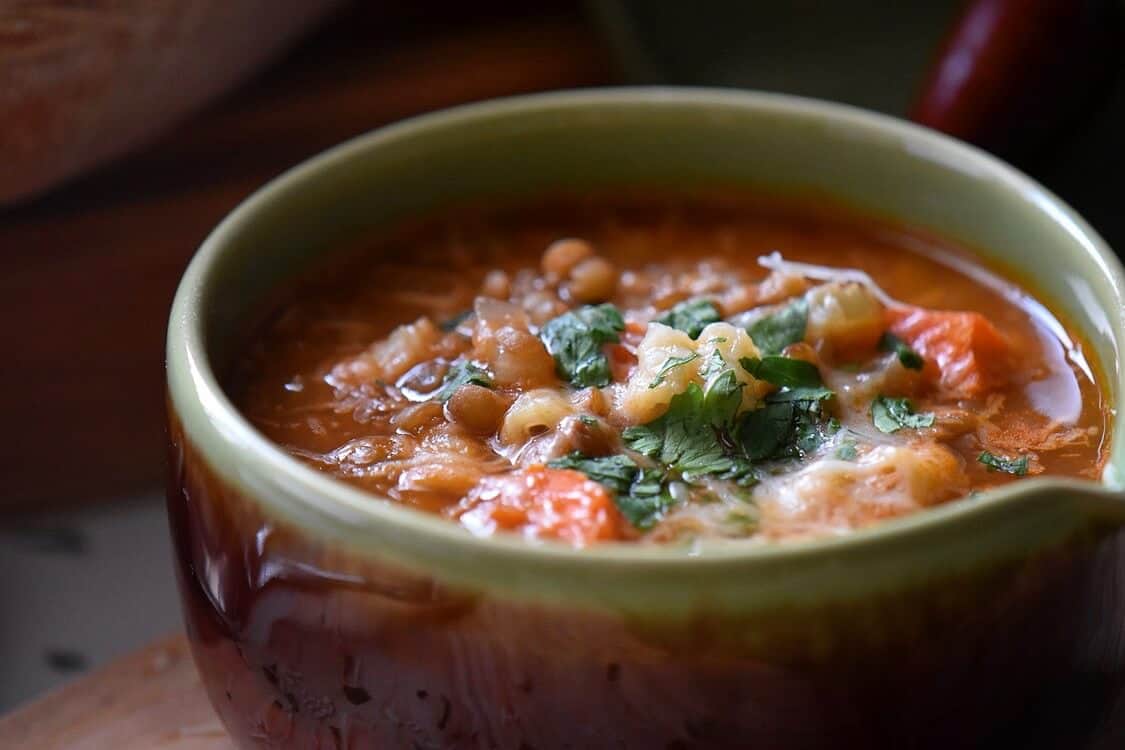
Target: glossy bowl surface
322,615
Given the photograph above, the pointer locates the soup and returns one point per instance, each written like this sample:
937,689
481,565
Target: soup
669,368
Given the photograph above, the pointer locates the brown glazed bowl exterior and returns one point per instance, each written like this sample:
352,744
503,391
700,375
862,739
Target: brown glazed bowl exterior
321,617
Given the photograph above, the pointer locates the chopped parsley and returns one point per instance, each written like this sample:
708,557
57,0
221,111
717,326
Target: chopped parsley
575,340
692,439
892,414
787,326
713,365
691,316
909,358
846,451
462,373
783,371
703,434
790,424
670,364
639,492
1015,466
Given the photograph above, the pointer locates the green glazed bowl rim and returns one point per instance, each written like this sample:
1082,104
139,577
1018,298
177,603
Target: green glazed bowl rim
317,502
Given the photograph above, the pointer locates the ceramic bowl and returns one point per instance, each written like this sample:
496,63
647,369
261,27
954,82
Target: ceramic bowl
321,616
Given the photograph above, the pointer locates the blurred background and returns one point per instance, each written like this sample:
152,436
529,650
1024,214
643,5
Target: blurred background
129,128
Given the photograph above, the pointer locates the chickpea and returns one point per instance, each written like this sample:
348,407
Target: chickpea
476,408
496,284
634,283
593,280
563,255
521,359
592,439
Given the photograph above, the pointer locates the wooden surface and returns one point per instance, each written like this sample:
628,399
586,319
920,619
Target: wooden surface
150,700
89,272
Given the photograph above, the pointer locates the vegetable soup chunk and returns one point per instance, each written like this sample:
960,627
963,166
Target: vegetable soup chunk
668,368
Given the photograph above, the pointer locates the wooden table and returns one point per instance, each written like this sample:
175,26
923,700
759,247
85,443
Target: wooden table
151,700
90,270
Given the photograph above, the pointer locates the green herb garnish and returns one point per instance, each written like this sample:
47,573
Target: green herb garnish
846,451
575,340
616,472
1014,466
783,371
670,364
691,316
639,492
462,373
691,438
790,424
892,414
909,358
787,326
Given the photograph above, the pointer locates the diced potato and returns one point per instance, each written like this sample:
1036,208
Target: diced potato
503,341
641,401
405,347
779,286
844,316
887,481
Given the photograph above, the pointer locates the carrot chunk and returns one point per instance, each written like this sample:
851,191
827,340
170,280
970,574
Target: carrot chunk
622,362
542,503
964,352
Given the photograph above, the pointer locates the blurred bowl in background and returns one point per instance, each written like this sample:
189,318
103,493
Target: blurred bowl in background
82,83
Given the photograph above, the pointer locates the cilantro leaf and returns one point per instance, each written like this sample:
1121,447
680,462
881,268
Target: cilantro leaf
787,326
639,493
647,500
462,373
712,365
909,358
1015,466
615,472
690,439
846,451
817,393
722,396
790,424
783,371
691,316
670,364
575,340
892,414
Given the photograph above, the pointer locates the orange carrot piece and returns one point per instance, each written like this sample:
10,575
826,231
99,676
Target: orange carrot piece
543,503
964,352
621,362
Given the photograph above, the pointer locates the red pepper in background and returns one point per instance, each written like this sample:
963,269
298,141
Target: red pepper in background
1017,76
